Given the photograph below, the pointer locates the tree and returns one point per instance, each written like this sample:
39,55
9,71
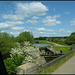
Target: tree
24,36
6,43
71,39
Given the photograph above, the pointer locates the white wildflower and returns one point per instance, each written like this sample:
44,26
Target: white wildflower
26,43
31,53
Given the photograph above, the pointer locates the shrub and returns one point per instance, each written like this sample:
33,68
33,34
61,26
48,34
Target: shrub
10,66
6,43
17,60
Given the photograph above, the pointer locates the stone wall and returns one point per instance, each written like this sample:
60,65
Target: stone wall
28,68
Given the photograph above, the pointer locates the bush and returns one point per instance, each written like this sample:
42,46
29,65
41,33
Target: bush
12,63
6,43
17,60
10,66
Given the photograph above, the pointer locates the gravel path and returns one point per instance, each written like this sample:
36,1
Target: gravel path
67,68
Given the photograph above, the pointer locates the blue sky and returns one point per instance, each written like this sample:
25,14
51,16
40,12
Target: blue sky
42,18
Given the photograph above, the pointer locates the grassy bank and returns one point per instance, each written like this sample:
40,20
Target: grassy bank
43,41
56,65
61,43
58,48
64,49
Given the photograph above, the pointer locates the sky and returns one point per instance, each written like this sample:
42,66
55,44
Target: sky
41,18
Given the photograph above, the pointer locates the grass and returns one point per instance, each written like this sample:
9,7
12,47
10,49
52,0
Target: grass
64,49
43,42
72,45
56,65
48,46
61,43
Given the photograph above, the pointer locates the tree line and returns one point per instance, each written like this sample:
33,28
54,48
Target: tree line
69,40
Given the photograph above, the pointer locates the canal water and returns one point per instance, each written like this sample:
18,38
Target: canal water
40,45
47,59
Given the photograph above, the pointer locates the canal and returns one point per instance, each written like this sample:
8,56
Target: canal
42,46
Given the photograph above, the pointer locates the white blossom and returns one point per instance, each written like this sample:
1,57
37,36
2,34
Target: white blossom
32,53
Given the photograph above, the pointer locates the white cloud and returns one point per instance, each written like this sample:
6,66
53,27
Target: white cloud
41,32
34,17
61,30
33,8
54,33
49,30
51,20
73,22
47,34
34,22
15,22
15,33
41,29
26,30
17,28
13,17
69,31
5,26
9,24
23,10
67,13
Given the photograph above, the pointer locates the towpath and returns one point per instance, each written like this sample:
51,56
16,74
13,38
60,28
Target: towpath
67,68
58,44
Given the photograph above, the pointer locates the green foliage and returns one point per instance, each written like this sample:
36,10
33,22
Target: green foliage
6,43
41,70
24,36
71,39
41,38
17,60
64,49
62,43
48,46
56,39
10,66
